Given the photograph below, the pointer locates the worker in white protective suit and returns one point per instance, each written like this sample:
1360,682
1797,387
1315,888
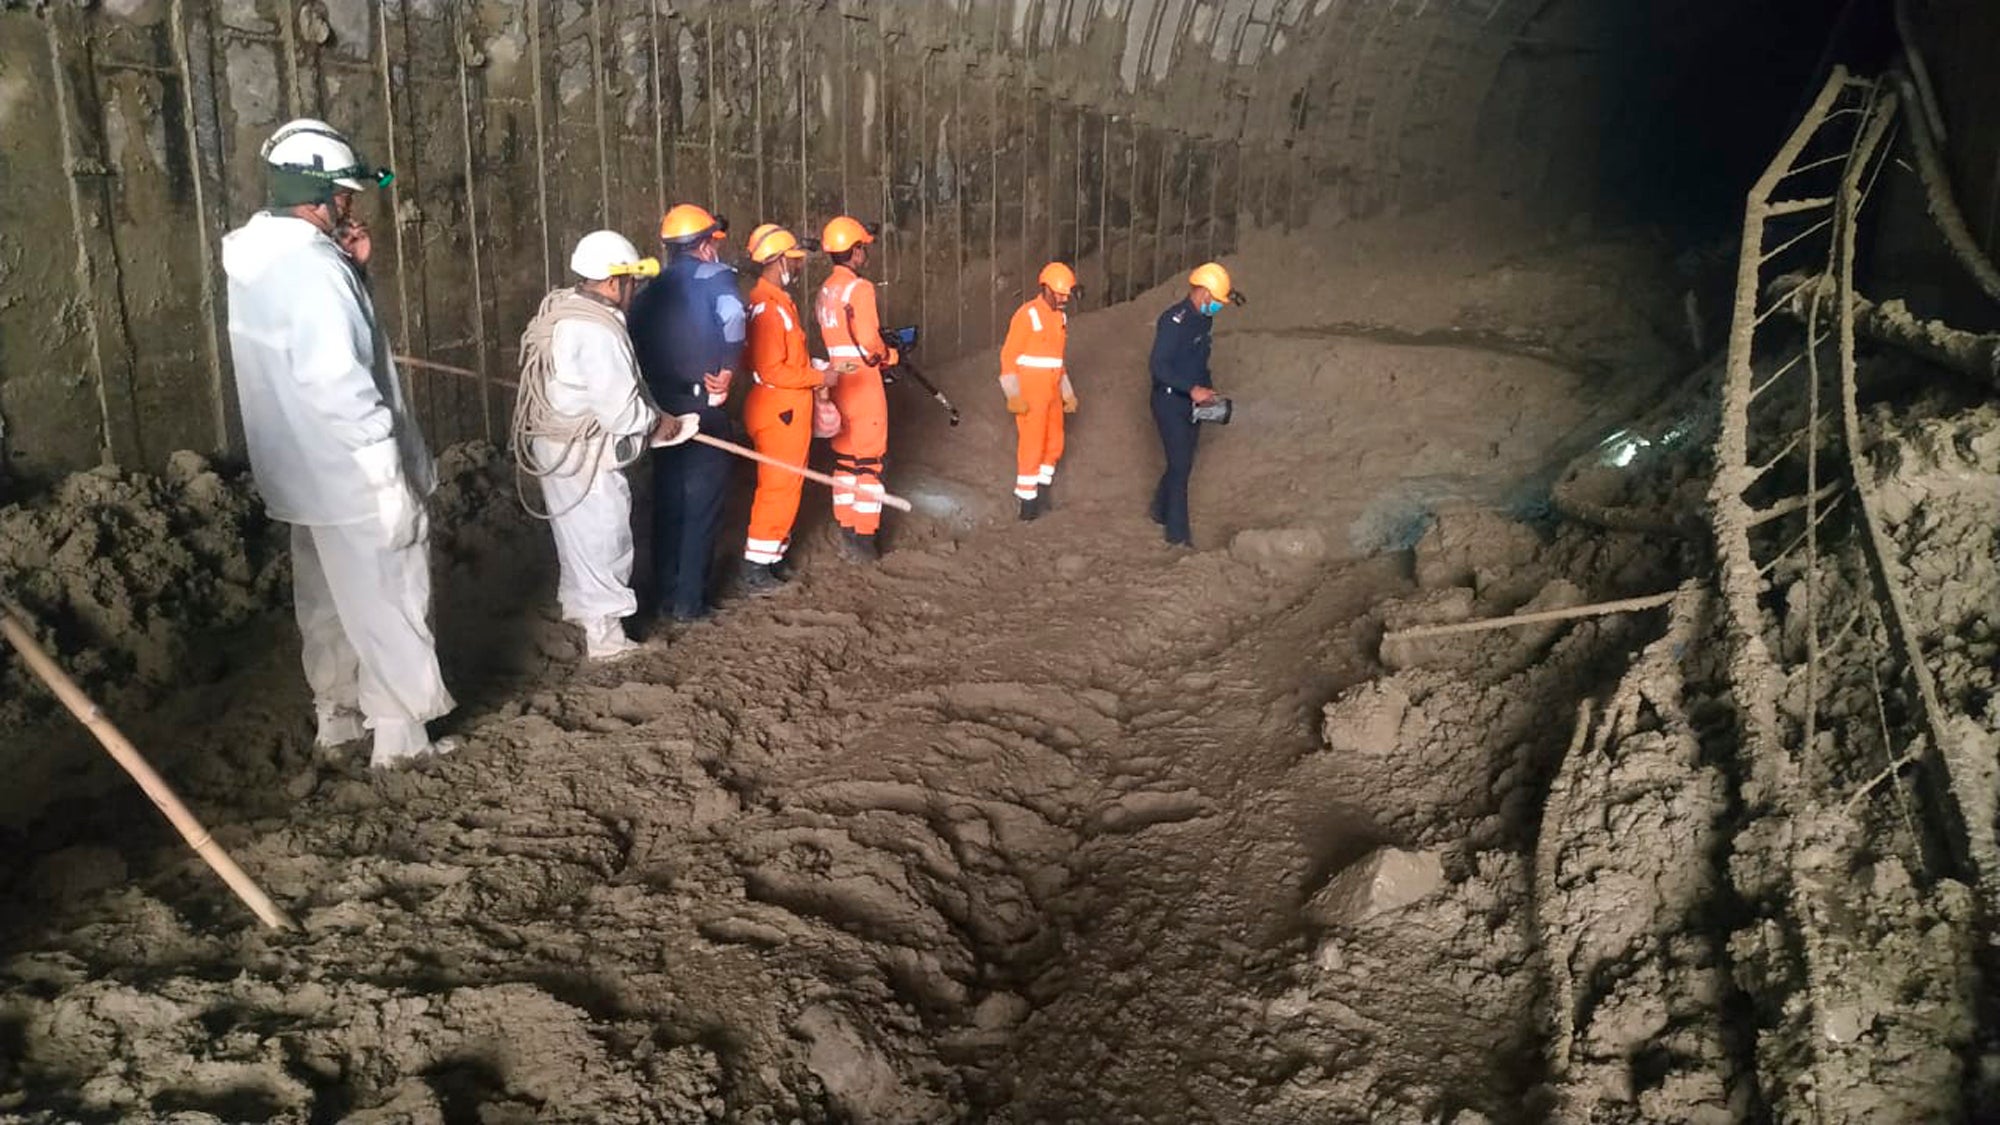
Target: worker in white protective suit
333,447
581,416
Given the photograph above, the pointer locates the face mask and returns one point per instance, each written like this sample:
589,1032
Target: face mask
1211,308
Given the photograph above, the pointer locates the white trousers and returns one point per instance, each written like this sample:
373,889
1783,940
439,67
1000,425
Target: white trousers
364,614
593,542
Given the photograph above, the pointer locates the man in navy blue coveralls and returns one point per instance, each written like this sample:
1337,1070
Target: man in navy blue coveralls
688,327
1181,342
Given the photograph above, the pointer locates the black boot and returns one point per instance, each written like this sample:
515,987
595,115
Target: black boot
1030,510
1045,501
856,547
783,570
759,580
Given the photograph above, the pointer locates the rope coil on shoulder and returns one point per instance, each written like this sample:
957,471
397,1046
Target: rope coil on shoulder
581,435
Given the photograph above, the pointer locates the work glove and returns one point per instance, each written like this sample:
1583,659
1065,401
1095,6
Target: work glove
717,386
894,357
828,374
397,510
826,418
1016,404
1069,404
1010,385
684,427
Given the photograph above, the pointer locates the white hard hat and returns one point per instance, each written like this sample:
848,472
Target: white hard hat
599,253
312,146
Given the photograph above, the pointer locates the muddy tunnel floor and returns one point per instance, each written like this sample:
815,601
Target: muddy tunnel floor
1039,822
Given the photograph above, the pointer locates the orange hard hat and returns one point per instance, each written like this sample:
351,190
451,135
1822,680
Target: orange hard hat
1212,277
1058,277
771,240
845,233
686,222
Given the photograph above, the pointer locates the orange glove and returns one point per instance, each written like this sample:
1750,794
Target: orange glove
1016,404
1069,404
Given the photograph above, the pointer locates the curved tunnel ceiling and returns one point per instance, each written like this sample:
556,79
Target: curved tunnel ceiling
1126,135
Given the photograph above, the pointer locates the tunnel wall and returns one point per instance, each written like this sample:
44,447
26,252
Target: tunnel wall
1958,39
1130,136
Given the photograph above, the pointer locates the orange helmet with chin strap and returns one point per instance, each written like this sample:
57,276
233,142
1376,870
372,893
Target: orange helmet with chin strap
686,223
771,241
1212,277
1059,278
845,233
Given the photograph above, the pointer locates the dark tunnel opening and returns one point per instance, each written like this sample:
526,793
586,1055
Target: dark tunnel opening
1712,89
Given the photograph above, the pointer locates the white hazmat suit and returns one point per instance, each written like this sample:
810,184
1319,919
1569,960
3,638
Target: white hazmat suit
594,375
337,455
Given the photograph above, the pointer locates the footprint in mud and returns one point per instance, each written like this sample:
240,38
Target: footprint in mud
1135,812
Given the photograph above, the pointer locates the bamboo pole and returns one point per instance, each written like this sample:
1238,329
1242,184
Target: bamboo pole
13,627
448,369
1598,609
888,499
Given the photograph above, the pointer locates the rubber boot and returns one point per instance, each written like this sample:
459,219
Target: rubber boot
759,580
604,640
852,546
869,549
404,740
1031,509
338,725
783,570
1045,500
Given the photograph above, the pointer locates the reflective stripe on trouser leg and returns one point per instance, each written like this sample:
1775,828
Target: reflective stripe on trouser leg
868,502
383,597
764,551
1031,428
1052,439
843,499
782,428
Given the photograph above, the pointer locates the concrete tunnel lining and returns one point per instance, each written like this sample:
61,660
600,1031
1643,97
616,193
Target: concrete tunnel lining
1130,135
995,828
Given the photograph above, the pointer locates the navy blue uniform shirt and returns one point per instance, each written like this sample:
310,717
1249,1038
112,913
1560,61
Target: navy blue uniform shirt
1181,342
686,323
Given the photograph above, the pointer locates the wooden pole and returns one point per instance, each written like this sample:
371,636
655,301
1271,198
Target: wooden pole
12,625
1629,605
889,499
448,369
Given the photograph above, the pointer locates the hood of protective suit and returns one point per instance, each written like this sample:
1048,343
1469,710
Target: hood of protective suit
251,250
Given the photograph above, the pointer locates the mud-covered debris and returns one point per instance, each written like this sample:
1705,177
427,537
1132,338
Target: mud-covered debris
1276,548
1384,880
1465,541
1366,719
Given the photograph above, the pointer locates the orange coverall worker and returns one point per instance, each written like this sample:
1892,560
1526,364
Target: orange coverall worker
852,330
1038,392
778,412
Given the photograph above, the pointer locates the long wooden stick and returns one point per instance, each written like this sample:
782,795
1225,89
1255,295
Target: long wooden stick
888,499
1629,605
121,749
448,369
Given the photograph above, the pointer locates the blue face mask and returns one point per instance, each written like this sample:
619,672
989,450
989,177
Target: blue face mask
1211,308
